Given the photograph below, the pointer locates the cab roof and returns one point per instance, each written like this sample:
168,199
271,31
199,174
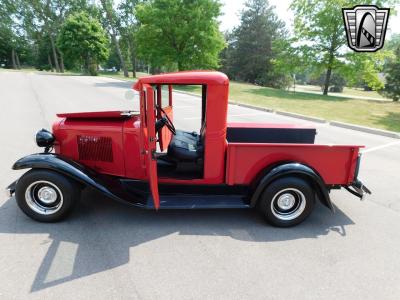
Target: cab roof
186,77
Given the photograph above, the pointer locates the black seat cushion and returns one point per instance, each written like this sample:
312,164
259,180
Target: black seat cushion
185,146
193,136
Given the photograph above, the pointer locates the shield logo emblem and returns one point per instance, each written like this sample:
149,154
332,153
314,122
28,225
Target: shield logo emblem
365,27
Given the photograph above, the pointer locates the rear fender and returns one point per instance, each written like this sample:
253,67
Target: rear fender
107,185
292,169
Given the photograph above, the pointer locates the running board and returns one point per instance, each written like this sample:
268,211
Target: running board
199,202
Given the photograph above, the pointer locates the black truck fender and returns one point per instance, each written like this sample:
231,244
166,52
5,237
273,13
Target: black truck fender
106,185
292,169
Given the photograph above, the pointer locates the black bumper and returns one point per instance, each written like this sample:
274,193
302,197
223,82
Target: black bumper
357,188
11,188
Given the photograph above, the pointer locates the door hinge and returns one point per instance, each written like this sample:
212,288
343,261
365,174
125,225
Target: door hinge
152,139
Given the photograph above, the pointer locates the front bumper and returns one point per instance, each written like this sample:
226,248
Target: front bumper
11,188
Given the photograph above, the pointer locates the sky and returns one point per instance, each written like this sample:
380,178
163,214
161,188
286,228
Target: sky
232,8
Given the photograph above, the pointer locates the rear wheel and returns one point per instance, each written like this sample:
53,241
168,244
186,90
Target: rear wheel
287,201
46,196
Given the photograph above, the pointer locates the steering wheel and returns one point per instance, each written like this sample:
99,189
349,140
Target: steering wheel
167,120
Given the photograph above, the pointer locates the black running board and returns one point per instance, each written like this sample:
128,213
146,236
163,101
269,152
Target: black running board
199,202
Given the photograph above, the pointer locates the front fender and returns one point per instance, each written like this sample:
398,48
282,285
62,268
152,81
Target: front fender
296,169
107,185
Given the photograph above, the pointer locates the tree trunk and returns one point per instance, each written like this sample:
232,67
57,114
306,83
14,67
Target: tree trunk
114,37
133,58
17,60
119,53
328,73
13,59
62,68
327,80
55,58
50,64
133,66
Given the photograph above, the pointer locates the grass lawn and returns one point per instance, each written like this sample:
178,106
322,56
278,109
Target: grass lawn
379,114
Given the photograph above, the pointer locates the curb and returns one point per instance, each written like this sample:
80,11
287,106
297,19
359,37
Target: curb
365,129
299,116
270,110
381,132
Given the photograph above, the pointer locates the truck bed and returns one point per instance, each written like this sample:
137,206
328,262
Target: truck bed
335,164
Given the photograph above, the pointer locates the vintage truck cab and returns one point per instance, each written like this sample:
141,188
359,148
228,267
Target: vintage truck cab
140,158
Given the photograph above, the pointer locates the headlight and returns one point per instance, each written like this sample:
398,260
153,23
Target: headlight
44,138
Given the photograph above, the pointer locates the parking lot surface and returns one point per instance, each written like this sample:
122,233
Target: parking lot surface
106,250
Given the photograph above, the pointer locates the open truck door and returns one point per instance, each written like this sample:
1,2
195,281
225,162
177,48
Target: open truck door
150,142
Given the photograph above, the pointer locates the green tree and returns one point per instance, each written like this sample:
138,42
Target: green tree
41,21
112,21
287,64
83,40
392,86
364,69
319,29
319,24
182,34
128,29
251,45
12,40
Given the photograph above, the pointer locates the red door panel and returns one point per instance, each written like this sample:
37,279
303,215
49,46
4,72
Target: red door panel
150,135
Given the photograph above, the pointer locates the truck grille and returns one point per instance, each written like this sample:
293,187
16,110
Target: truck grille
95,148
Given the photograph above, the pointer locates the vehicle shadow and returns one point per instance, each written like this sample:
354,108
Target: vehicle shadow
99,233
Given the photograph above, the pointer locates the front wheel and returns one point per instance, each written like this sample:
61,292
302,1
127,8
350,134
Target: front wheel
46,196
287,201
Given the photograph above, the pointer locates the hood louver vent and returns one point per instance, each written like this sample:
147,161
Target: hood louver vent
95,148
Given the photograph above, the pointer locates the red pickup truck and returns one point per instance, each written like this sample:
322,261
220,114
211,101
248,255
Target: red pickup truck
140,158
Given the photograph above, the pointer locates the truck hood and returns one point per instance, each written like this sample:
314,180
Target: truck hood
98,115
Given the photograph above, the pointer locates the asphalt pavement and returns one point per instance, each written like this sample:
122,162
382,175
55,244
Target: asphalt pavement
106,250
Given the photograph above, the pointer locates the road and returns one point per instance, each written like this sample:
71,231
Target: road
106,250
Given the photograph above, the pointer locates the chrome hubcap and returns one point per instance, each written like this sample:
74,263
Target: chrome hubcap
47,195
44,197
288,204
286,201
